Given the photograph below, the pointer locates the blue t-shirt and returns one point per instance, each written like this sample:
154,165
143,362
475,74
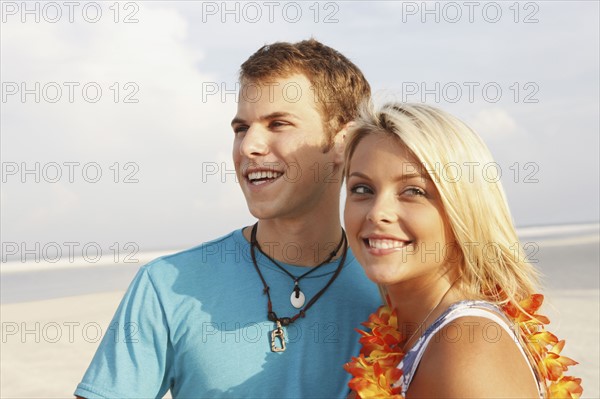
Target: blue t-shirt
196,323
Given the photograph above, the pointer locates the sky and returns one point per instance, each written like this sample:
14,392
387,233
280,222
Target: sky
115,116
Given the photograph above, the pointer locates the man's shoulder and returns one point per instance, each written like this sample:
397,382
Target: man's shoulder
209,252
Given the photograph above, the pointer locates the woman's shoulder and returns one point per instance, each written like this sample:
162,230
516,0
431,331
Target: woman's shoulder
473,354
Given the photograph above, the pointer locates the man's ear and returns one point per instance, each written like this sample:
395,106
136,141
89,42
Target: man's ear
339,143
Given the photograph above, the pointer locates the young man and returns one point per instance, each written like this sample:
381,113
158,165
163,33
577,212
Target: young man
267,311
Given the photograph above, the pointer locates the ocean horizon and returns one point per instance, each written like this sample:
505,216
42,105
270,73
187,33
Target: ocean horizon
567,255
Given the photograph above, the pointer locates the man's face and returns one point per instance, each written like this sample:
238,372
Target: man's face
278,148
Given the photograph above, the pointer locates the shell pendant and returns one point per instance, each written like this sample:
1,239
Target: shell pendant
297,298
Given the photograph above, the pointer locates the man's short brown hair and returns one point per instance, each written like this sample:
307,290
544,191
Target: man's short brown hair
337,84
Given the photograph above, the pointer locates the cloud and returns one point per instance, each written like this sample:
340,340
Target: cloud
168,129
493,124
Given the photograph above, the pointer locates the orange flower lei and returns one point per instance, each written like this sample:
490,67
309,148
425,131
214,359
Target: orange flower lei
375,369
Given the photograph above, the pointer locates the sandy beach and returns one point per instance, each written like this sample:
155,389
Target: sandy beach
48,343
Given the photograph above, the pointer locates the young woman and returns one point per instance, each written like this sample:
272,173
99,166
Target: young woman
427,218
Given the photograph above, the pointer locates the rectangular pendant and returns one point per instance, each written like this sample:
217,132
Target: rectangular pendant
277,339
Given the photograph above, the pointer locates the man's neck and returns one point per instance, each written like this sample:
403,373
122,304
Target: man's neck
302,242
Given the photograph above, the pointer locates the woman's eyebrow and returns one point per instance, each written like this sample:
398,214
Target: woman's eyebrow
407,176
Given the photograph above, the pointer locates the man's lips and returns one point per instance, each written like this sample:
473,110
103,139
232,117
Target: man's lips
262,176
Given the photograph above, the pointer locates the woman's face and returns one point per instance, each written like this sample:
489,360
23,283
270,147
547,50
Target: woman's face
394,215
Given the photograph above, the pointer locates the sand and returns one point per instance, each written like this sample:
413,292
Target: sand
51,363
52,367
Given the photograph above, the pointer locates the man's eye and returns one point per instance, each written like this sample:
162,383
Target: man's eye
277,124
361,189
240,129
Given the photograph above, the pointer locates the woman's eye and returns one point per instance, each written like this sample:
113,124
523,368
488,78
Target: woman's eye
361,189
415,191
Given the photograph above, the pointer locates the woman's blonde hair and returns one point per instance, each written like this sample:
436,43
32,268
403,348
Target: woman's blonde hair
460,165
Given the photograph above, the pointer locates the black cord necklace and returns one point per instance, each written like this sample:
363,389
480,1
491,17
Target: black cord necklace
297,298
278,334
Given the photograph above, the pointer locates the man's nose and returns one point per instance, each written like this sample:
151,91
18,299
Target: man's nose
255,142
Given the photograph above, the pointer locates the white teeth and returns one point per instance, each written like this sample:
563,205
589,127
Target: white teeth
263,174
387,244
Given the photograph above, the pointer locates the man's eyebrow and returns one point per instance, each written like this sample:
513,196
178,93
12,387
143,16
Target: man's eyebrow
271,116
236,121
